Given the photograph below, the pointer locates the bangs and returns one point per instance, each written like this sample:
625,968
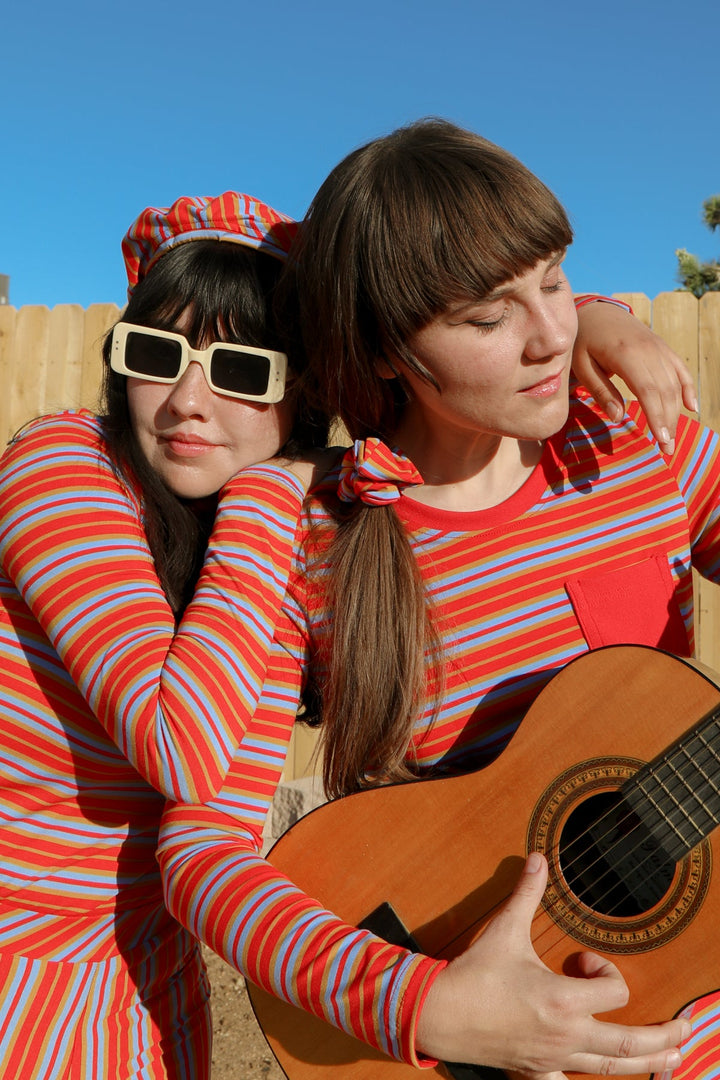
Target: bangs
223,286
459,221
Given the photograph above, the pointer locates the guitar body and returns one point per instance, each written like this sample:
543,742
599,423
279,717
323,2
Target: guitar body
446,853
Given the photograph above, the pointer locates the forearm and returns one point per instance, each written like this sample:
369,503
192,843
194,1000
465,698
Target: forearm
176,702
227,895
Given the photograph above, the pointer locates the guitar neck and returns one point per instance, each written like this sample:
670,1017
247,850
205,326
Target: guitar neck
677,794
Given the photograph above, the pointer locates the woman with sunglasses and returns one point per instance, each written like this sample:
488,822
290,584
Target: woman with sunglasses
137,548
144,561
486,521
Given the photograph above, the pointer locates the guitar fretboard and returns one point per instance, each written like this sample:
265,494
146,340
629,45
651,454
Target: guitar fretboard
677,795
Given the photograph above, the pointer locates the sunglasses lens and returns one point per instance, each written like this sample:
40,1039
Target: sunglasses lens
154,356
240,373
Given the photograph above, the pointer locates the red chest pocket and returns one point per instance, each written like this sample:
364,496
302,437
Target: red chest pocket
632,605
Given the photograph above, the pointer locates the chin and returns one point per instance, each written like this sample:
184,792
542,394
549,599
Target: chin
194,488
557,415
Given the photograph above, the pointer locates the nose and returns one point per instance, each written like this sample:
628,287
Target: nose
191,396
551,331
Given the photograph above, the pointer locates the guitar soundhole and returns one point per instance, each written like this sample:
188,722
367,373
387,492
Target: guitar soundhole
611,861
611,885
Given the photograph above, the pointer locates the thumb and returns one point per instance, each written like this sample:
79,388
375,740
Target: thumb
527,894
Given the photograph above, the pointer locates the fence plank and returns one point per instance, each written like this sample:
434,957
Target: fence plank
27,383
709,358
303,758
640,303
675,319
64,351
708,598
98,320
8,321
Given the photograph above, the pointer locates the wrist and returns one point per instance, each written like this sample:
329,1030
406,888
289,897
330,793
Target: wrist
592,298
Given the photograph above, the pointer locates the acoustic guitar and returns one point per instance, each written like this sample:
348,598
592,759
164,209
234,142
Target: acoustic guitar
614,774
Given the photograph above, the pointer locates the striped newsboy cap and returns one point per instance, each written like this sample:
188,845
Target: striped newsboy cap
231,216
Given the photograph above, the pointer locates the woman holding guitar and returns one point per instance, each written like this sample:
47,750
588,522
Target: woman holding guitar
487,526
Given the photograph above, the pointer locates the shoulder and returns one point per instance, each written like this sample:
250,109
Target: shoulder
694,462
69,427
66,448
588,417
694,440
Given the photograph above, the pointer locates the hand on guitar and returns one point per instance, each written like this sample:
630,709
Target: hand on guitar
498,1004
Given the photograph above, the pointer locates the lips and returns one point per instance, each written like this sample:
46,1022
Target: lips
183,445
545,387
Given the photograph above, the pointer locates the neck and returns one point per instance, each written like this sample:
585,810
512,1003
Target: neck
465,471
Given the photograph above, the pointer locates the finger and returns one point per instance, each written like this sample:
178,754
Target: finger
591,964
662,406
633,1050
529,1075
660,400
603,988
601,387
685,379
605,392
525,1075
689,396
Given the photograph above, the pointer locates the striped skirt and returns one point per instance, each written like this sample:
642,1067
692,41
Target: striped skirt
125,1019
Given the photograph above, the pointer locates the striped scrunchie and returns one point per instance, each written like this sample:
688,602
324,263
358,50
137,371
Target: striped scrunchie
375,474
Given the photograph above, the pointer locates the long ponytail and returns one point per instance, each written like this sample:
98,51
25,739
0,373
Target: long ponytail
383,652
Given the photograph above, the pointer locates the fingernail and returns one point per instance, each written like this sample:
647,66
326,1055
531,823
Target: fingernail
614,411
534,862
664,435
686,1031
694,405
668,448
674,1059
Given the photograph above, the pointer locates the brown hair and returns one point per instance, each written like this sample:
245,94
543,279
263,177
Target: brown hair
403,227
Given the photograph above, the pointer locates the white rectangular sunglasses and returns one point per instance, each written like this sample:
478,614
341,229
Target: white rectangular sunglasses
238,371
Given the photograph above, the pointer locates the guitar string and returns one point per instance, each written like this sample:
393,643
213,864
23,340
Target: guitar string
609,874
615,824
553,864
592,918
556,864
666,761
695,765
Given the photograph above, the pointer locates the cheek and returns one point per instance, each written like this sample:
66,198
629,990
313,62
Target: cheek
144,401
259,430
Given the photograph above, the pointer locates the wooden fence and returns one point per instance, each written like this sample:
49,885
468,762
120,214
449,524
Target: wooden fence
50,359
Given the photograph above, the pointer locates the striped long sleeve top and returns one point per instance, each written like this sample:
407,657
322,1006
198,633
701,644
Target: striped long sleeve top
596,548
107,707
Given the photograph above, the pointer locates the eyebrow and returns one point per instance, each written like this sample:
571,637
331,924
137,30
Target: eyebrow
497,294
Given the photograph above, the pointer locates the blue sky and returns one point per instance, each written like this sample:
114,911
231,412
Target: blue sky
107,108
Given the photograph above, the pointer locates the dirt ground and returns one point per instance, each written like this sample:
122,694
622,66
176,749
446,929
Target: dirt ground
239,1048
